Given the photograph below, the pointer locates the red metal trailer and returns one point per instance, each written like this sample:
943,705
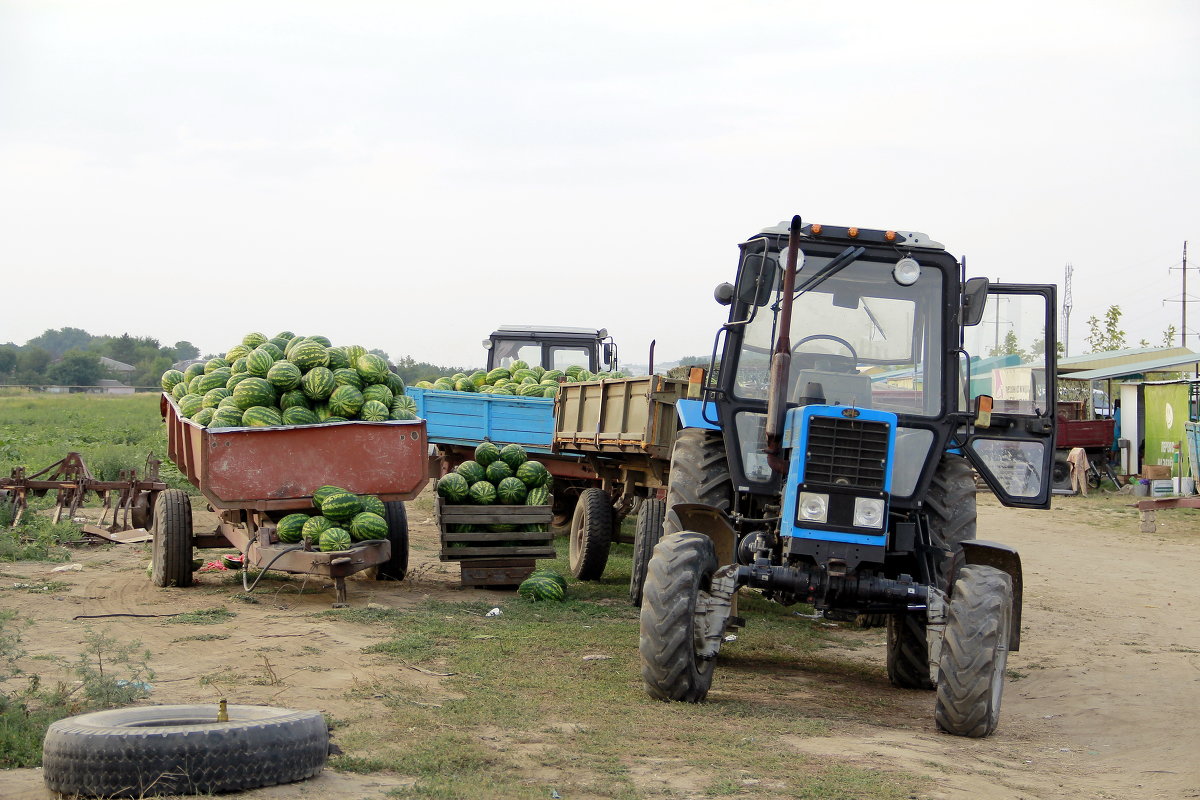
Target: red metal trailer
253,476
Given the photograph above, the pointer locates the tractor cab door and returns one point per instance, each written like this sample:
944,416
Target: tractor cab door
1010,358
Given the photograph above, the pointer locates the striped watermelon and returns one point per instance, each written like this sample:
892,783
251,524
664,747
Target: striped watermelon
335,418
347,377
338,358
445,384
229,402
368,525
318,383
373,504
194,384
473,471
353,351
395,383
402,414
511,491
372,368
541,587
504,527
284,375
285,335
322,340
170,378
322,492
514,455
275,351
262,417
299,415
254,392
496,374
341,506
213,397
213,364
538,496
482,493
345,401
259,362
236,352
533,473
203,416
313,529
189,404
291,528
321,409
235,379
334,540
294,399
238,367
518,364
213,380
226,418
308,354
406,403
193,371
544,572
254,339
378,392
179,390
465,385
454,488
374,411
498,471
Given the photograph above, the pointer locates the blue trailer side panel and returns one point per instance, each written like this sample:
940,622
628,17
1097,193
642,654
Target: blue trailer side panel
466,418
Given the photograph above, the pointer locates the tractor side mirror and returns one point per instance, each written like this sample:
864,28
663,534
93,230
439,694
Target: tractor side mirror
607,353
975,292
757,279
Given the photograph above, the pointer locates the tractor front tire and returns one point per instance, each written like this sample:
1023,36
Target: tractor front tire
647,533
591,535
171,559
975,652
681,568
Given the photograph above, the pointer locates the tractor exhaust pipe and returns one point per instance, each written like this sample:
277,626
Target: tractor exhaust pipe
781,358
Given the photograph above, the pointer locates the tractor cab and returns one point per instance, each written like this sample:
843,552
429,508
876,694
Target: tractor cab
552,347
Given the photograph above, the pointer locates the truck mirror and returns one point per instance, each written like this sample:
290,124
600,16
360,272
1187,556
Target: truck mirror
724,293
975,292
757,280
607,352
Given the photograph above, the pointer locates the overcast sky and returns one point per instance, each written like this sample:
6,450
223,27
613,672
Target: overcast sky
408,175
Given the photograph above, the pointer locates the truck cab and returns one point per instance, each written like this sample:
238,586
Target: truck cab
552,347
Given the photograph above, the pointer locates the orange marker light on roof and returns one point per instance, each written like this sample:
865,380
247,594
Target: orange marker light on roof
889,235
852,232
815,228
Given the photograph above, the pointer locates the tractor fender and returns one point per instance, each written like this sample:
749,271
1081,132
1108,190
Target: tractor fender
711,522
1004,558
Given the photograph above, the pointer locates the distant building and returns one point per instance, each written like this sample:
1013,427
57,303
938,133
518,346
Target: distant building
119,367
109,386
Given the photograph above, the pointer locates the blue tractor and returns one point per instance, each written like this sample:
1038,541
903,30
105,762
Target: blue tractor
832,460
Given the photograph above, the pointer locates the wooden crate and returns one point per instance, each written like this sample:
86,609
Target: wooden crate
493,544
495,571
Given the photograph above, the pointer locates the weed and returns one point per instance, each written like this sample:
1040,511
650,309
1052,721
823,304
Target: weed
205,616
203,637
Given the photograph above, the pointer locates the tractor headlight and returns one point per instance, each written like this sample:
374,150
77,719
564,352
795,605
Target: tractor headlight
868,512
814,507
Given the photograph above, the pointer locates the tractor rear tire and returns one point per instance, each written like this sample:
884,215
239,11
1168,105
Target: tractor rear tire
680,570
171,559
699,474
396,567
647,533
591,535
908,651
975,652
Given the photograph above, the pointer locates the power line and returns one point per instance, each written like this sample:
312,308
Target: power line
1183,297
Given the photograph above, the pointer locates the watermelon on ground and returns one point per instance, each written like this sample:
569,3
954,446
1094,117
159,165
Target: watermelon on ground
541,587
546,572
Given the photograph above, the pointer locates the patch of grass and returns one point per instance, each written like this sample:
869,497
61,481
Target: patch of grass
202,637
40,587
36,537
204,616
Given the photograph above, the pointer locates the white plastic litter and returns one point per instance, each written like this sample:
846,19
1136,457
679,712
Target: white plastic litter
495,612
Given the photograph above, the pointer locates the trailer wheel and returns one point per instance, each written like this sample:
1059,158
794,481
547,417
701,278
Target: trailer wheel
182,749
681,568
647,533
975,652
171,562
699,474
396,567
591,534
908,651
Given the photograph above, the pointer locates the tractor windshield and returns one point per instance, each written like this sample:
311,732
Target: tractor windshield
858,338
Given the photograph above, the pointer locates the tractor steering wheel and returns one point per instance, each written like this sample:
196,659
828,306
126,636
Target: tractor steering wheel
836,363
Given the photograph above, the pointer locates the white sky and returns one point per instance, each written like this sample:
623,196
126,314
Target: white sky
409,175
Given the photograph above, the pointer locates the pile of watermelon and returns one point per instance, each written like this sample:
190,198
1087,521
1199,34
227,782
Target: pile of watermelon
498,475
344,518
289,380
518,379
543,584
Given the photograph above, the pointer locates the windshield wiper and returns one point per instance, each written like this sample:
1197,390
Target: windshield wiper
839,262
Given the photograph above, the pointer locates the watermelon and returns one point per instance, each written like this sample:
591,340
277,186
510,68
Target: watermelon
368,525
284,375
405,403
496,374
486,452
473,471
235,379
179,390
203,416
321,410
503,390
402,414
498,471
292,344
236,352
478,377
544,572
514,455
170,378
334,539
520,375
322,492
279,343
541,587
238,367
194,385
275,351
533,473
518,364
193,371
335,418
373,504
213,364
374,411
322,340
299,415
253,339
395,383
538,496
259,362
254,392
552,375
445,384
261,417
337,358
550,391
229,402
313,529
345,401
347,377
308,354
213,380
341,507
372,368
511,491
453,488
353,351
294,399
482,493
291,528
189,404
378,392
226,418
465,385
318,383
285,335
532,390
213,397
504,527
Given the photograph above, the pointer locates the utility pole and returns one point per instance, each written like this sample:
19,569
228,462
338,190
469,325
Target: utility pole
1183,298
1066,313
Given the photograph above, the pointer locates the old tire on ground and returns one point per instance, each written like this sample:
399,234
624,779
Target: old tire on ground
181,749
952,514
699,474
975,652
591,535
396,567
680,570
647,533
171,562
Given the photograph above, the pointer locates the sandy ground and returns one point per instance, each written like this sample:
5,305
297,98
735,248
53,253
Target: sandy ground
1103,699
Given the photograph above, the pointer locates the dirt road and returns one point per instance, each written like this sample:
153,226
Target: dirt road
1103,698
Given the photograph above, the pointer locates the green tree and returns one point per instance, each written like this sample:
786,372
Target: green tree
1106,335
31,365
57,342
1168,337
8,360
185,350
1010,347
76,368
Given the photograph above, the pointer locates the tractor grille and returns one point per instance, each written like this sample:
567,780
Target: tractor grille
846,452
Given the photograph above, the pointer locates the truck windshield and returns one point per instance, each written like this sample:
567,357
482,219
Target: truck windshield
858,338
